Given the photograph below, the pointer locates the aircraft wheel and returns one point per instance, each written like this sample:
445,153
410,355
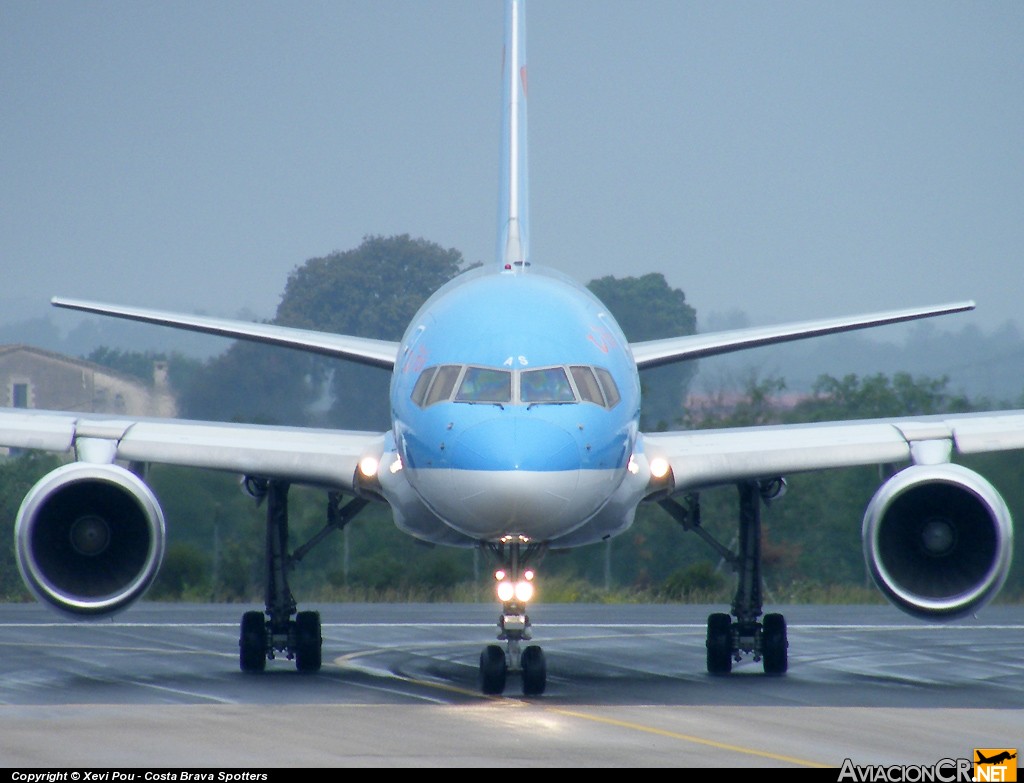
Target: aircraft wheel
774,644
252,643
492,670
719,643
308,641
535,671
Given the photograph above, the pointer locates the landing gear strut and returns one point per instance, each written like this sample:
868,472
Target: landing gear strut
264,634
515,589
728,640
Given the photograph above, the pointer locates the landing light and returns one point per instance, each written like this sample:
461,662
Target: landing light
659,467
368,466
524,591
632,467
505,591
396,465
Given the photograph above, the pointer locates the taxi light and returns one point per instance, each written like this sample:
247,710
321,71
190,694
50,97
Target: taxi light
368,466
631,466
524,591
499,574
528,574
505,591
396,465
659,467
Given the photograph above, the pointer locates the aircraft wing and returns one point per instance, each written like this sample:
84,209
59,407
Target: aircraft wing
654,353
365,350
326,458
702,458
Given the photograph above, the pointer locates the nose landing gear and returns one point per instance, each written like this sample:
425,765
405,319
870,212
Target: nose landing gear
515,590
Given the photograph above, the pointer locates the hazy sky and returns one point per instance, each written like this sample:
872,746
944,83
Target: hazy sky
788,159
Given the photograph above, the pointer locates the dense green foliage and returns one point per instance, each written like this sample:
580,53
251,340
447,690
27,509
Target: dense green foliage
253,383
647,309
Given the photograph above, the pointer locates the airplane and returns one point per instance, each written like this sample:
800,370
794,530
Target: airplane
515,402
996,759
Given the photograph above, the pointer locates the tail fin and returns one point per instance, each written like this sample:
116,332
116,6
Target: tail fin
513,215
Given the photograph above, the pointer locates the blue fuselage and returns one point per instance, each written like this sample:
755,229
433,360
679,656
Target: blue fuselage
515,402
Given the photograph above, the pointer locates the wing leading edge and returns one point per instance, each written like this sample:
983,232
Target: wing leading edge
654,353
702,458
364,350
326,458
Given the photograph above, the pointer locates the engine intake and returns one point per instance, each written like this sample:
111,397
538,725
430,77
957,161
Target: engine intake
89,538
938,540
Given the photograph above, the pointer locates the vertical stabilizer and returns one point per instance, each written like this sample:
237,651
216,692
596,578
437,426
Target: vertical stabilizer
513,216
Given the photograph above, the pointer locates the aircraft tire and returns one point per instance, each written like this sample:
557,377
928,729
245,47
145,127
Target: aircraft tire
774,645
535,671
252,643
719,643
308,642
492,670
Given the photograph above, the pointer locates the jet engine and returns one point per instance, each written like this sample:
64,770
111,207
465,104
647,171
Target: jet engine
89,538
938,540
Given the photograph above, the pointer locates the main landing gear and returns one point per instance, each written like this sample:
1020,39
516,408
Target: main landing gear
264,634
515,589
729,640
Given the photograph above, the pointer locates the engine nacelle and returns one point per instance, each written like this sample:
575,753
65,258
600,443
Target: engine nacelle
89,538
938,540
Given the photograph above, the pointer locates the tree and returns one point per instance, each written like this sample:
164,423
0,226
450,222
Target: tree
647,309
757,403
371,291
253,383
875,396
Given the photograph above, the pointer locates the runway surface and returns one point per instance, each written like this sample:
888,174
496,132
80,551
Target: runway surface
627,686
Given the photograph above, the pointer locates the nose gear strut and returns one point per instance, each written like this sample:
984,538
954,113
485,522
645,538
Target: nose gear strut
514,591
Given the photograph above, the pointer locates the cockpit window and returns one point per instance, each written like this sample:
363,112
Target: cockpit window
611,391
587,385
419,391
548,385
484,384
545,385
444,383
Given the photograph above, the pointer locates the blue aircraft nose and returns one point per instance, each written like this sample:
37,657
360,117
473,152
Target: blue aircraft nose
516,473
513,474
515,442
